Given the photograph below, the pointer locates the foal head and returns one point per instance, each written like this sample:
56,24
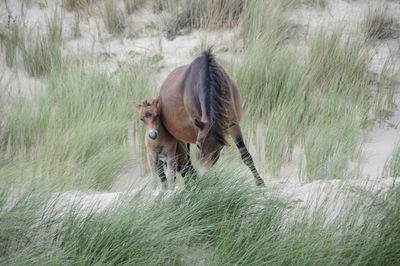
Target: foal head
149,114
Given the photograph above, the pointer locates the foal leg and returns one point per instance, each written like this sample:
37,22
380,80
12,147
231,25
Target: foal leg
161,174
157,168
151,160
171,166
236,134
171,173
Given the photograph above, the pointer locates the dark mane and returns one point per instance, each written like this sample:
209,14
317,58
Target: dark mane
214,84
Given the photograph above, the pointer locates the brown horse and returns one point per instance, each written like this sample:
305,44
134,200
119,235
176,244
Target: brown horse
162,148
200,104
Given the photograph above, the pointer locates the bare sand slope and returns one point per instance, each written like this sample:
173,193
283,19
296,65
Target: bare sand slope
331,195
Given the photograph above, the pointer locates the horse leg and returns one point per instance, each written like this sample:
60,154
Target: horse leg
184,165
186,169
236,134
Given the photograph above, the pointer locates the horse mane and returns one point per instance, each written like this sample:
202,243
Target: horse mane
214,84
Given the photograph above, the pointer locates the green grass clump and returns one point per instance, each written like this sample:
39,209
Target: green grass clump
113,18
10,38
386,90
41,56
218,220
337,103
17,219
132,5
76,27
77,5
75,131
264,20
378,24
317,3
41,53
319,99
191,14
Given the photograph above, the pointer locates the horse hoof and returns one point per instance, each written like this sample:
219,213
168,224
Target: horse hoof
164,185
260,183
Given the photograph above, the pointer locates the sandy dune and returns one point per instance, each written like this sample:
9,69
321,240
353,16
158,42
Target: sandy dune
379,141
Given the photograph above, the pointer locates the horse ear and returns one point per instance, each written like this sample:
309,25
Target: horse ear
156,100
137,105
199,124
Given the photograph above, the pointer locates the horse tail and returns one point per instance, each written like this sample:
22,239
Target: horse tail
214,82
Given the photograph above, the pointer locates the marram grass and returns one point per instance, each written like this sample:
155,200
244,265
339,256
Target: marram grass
76,129
217,220
318,98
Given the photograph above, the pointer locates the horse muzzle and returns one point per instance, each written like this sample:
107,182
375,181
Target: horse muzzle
153,134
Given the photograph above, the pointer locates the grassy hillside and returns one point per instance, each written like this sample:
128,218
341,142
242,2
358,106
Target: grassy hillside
213,222
66,123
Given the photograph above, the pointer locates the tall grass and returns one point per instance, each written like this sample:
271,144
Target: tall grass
218,220
75,132
386,90
264,21
10,39
114,19
77,5
40,56
138,79
378,24
41,53
191,14
317,3
76,27
318,98
132,5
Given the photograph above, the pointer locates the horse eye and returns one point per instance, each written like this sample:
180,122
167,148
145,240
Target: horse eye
148,115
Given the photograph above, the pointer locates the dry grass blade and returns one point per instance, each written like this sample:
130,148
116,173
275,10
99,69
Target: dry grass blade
132,5
77,5
114,19
42,53
192,14
10,38
379,24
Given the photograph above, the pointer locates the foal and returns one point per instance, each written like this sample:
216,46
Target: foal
162,147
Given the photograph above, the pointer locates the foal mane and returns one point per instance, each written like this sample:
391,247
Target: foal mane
214,84
147,102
